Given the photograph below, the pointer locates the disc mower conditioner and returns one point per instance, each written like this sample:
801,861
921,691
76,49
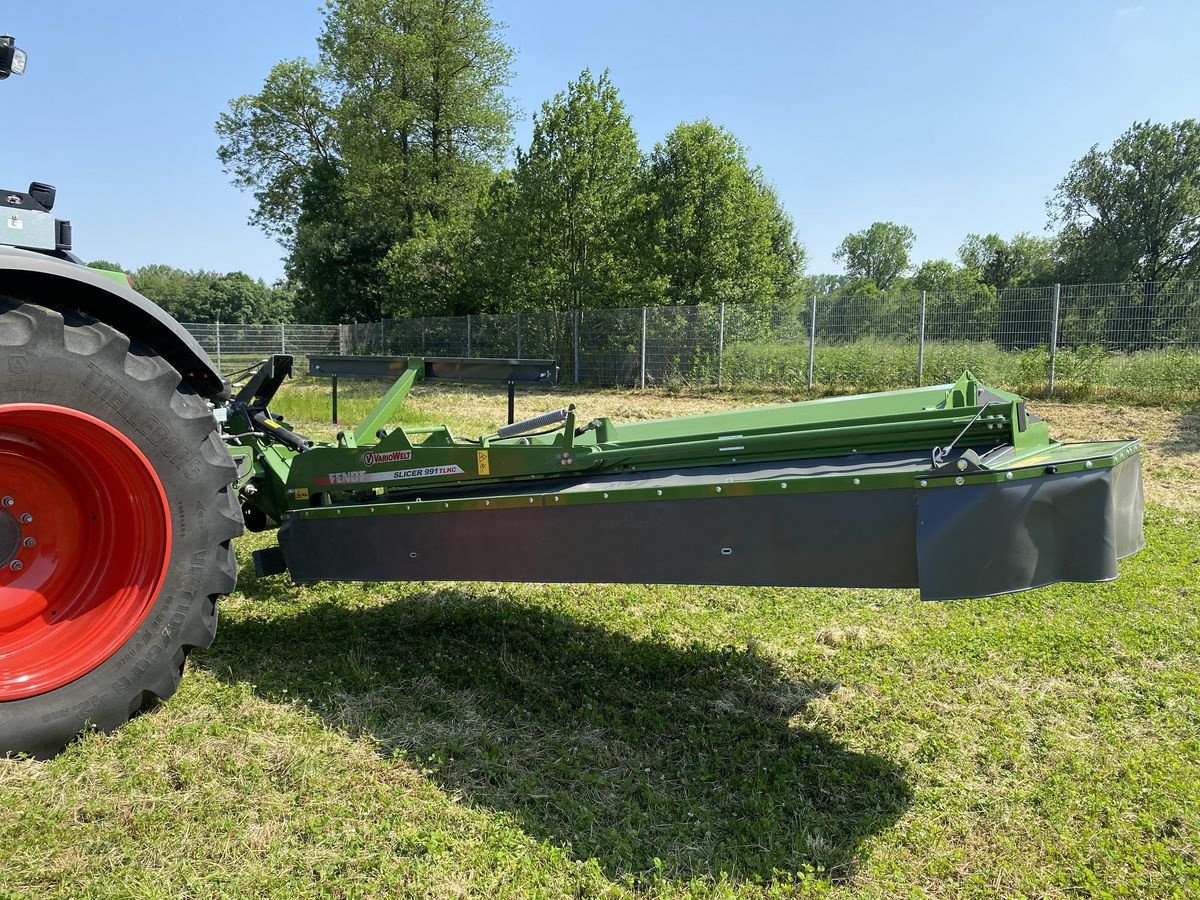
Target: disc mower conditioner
128,464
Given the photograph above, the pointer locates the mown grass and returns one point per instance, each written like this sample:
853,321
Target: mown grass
472,739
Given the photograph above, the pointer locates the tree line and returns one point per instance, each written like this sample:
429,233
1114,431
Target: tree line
383,167
380,167
200,296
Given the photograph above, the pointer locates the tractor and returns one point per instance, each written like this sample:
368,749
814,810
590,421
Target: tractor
129,463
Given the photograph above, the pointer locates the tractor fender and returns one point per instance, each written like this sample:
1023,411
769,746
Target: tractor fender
67,285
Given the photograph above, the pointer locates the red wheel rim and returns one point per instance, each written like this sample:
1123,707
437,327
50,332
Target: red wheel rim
85,537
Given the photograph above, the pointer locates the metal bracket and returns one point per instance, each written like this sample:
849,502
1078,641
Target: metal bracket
260,390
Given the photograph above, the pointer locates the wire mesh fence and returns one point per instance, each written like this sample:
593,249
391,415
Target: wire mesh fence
1138,342
234,346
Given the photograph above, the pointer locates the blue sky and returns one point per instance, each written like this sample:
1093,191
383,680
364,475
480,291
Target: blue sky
949,117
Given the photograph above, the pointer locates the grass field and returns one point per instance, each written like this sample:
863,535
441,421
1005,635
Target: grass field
1087,373
873,364
494,740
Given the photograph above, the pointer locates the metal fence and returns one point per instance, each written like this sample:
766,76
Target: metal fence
234,347
1139,341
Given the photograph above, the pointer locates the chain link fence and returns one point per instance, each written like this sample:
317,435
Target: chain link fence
1138,342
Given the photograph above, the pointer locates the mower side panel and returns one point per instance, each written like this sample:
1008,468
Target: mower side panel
950,540
842,539
66,285
981,540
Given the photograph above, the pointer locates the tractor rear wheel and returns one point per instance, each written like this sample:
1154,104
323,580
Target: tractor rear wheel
116,516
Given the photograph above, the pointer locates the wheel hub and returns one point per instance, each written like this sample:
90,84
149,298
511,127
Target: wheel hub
10,537
85,538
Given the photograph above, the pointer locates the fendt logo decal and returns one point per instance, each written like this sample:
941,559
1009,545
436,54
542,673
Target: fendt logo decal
335,478
371,458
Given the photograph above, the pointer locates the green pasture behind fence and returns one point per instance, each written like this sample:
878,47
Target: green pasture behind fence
1123,342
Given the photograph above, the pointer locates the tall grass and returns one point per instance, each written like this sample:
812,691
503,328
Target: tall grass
1157,377
870,364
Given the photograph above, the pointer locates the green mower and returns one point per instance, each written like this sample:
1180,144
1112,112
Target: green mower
128,464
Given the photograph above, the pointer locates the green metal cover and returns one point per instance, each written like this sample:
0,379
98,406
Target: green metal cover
955,489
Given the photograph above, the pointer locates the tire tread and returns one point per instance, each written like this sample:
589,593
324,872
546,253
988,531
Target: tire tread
21,322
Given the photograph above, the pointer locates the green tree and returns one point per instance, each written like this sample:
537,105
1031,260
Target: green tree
959,304
879,253
717,230
853,311
492,250
1132,212
336,262
232,297
787,253
106,265
943,276
169,287
422,115
824,284
1024,261
400,123
214,297
270,141
427,274
280,304
565,218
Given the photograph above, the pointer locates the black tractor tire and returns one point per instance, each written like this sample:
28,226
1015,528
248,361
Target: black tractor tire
52,357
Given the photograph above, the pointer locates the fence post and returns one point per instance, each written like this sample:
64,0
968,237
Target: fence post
578,319
219,366
518,335
468,335
812,339
282,339
643,378
1053,341
921,345
721,347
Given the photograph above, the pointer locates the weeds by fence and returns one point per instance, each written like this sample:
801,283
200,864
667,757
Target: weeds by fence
1136,342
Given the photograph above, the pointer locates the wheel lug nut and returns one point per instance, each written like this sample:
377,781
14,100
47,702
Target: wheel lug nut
29,542
9,501
26,518
16,565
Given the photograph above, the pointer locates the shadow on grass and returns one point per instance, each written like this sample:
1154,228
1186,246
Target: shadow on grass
627,750
1187,438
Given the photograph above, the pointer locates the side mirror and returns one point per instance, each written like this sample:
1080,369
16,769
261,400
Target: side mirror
12,59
